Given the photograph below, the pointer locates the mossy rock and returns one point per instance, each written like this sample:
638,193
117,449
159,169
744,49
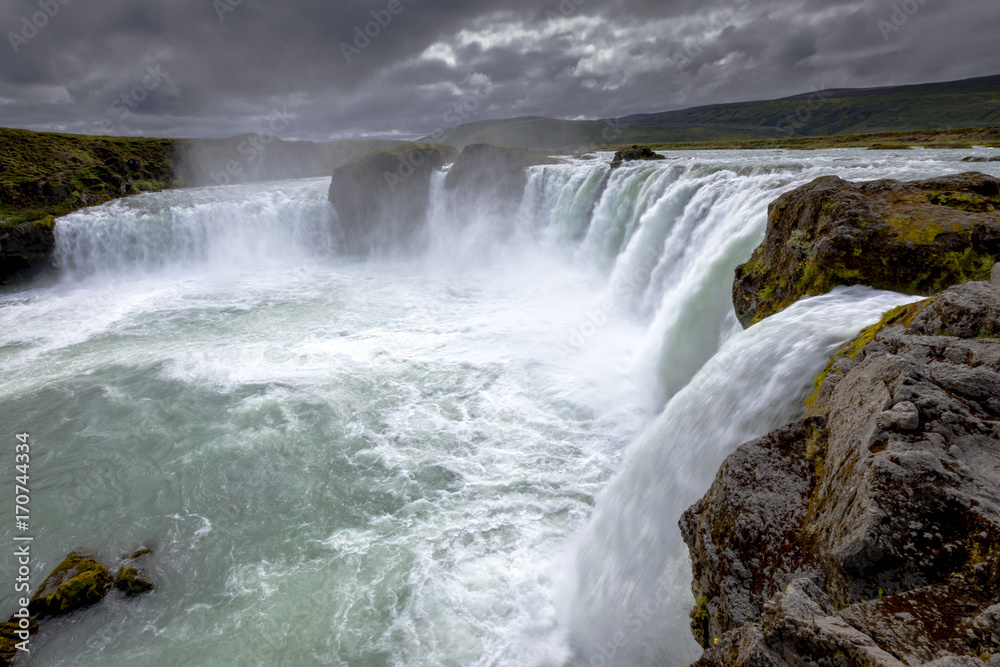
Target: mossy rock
9,638
79,581
916,238
131,582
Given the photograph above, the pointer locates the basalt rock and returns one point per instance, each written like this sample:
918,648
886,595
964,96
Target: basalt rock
867,533
916,238
634,153
381,198
26,250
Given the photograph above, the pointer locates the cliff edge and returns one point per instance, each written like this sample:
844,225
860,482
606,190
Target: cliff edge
868,532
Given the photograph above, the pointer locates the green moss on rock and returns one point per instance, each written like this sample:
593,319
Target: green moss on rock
916,238
77,582
131,582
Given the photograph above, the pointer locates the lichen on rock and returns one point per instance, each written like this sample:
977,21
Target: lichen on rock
870,530
915,238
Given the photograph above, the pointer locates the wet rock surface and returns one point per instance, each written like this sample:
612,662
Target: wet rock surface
869,532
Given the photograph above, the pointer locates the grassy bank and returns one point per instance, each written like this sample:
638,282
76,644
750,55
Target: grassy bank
947,139
44,175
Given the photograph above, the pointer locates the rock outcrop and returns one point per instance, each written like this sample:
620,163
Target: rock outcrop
26,250
494,171
867,533
917,238
634,153
381,198
78,582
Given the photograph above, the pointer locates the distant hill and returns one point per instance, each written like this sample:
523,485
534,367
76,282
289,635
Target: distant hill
970,103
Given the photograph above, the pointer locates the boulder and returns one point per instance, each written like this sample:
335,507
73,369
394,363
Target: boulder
996,274
494,171
634,153
916,238
869,530
77,582
130,581
980,158
381,197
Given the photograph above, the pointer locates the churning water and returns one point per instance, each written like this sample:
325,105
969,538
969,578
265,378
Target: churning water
473,455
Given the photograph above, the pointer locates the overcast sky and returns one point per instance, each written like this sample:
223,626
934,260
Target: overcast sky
306,68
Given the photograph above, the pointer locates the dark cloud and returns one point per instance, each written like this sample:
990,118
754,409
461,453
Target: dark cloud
228,65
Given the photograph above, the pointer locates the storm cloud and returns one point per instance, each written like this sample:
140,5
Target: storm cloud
402,68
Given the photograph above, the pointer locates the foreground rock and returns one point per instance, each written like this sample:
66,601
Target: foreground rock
634,153
917,238
381,197
78,582
869,532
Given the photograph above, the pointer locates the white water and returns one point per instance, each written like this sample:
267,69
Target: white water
475,456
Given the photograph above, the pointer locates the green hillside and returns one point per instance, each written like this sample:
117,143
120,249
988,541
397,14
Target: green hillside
972,103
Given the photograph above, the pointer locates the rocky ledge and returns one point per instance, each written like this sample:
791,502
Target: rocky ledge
868,532
916,238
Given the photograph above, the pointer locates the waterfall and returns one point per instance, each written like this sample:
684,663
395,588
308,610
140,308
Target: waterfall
238,227
630,597
574,352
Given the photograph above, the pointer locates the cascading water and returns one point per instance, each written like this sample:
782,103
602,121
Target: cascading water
476,455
